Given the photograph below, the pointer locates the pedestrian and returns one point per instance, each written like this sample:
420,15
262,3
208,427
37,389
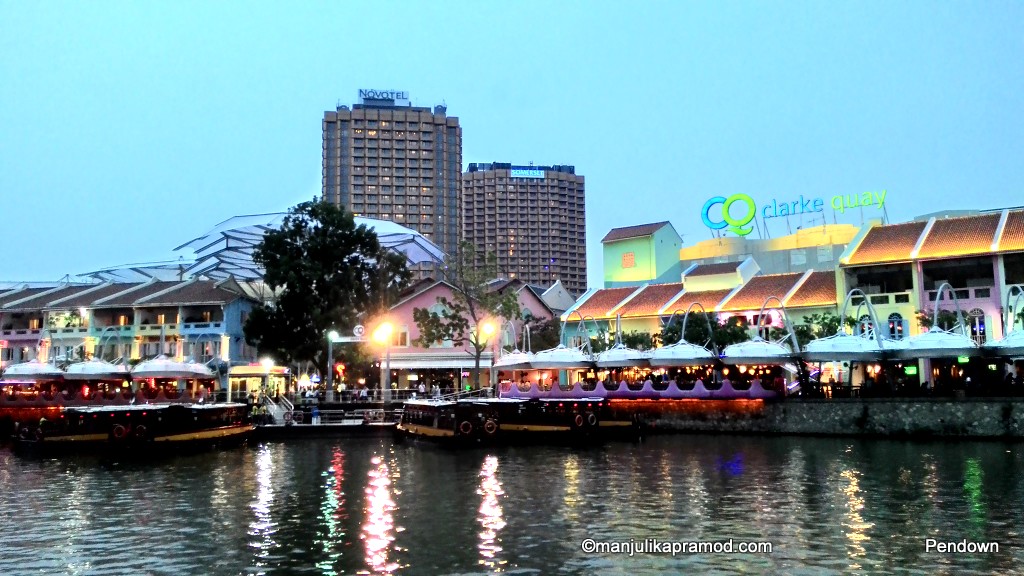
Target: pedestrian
316,416
421,389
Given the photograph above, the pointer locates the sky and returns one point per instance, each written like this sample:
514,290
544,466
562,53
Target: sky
129,128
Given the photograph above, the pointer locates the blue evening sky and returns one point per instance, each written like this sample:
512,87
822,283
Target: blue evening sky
127,128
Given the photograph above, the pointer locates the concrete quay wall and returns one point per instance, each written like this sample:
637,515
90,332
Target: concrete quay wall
927,418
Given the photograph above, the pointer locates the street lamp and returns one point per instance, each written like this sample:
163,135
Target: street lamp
382,335
485,330
331,337
267,364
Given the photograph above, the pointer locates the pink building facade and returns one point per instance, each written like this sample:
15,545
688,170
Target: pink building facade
445,364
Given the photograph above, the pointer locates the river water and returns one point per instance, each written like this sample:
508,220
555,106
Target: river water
365,506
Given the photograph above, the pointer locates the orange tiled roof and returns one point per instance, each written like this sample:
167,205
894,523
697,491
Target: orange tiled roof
604,300
753,294
1013,233
889,243
652,299
710,269
960,236
818,290
708,299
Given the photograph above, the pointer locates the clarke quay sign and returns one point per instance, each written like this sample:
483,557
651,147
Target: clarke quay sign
383,94
740,224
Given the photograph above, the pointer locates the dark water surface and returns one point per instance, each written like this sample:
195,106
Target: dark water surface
364,506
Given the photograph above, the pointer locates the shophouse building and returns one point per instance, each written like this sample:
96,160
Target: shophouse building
198,319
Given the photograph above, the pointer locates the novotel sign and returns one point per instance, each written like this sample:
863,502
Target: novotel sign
383,94
738,220
524,173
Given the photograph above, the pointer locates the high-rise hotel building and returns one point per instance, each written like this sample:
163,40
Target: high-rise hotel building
386,159
532,217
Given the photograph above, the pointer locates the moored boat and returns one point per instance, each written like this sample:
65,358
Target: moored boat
497,421
96,408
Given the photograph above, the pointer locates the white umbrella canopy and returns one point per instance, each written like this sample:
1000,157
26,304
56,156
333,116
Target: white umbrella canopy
621,357
32,370
757,351
848,347
514,360
681,353
164,367
939,344
1010,345
561,357
95,369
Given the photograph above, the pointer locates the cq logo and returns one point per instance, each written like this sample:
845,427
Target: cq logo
737,225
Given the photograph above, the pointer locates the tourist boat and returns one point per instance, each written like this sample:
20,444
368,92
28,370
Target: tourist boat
498,421
333,423
169,408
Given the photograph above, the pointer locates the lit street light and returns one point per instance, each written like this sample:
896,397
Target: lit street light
382,335
331,337
485,330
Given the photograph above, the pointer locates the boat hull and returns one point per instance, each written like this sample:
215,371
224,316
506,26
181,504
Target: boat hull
526,422
148,430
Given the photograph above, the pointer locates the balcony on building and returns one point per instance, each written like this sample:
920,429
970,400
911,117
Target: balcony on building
158,321
197,320
16,326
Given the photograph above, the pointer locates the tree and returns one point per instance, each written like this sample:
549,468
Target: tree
813,327
639,340
733,331
327,273
473,302
544,334
947,319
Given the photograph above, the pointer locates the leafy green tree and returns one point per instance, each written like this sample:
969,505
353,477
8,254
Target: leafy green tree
813,327
947,319
327,273
639,340
733,331
473,302
544,334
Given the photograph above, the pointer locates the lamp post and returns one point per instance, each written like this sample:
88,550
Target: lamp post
267,364
383,335
485,330
331,337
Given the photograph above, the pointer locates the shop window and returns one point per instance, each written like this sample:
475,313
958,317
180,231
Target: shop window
897,326
976,320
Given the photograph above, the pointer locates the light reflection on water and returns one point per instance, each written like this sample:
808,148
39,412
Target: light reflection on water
263,528
378,530
490,518
363,506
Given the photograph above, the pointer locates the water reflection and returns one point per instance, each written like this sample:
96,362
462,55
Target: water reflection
972,489
332,512
491,518
378,530
263,528
309,508
856,527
